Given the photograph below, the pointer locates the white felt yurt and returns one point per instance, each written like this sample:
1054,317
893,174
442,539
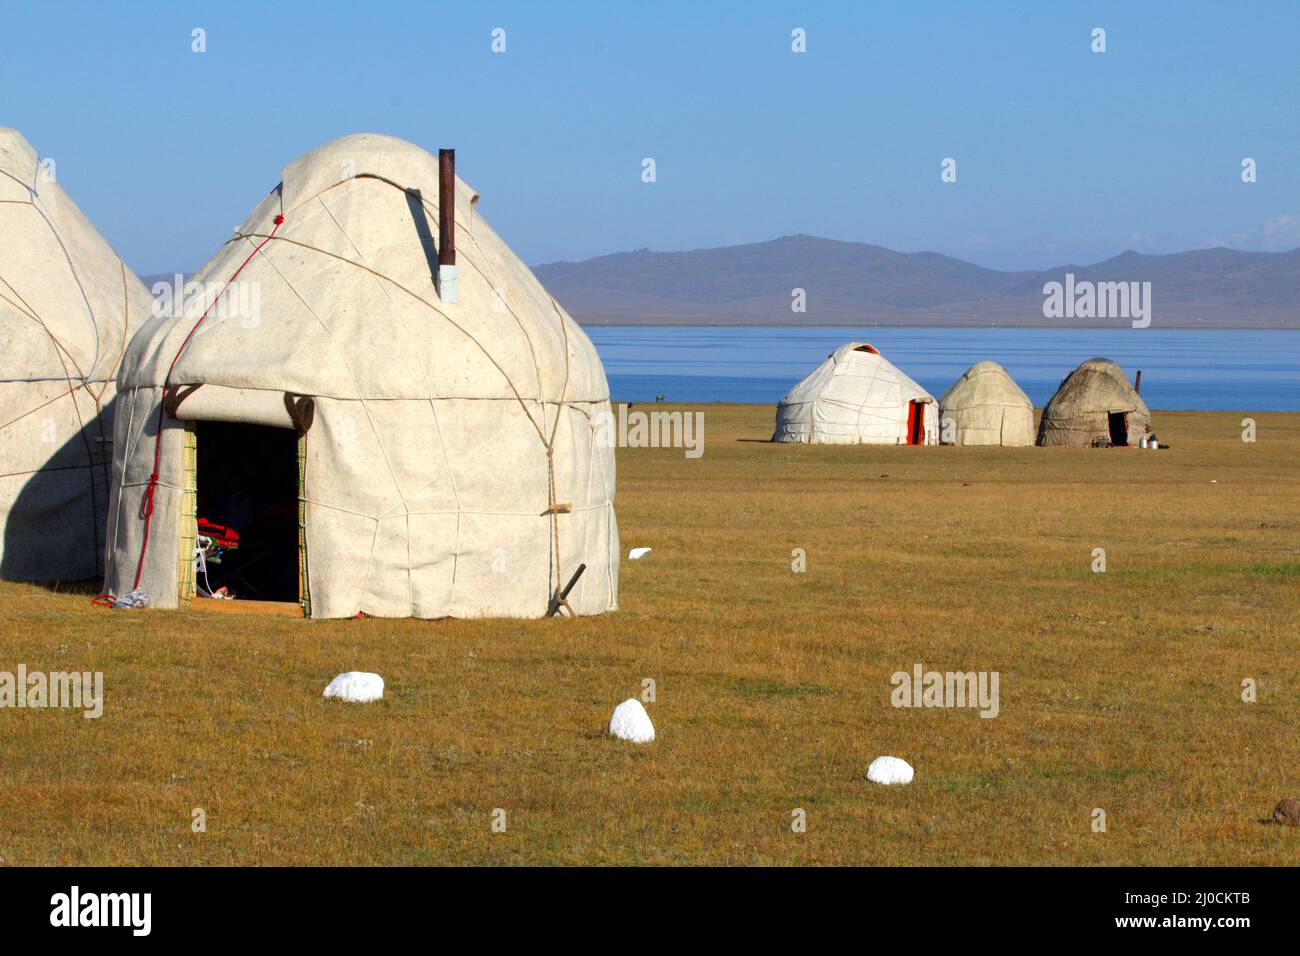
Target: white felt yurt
67,305
857,397
379,443
986,407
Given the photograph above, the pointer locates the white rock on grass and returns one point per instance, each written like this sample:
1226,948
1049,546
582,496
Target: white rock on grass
358,687
889,770
631,722
637,553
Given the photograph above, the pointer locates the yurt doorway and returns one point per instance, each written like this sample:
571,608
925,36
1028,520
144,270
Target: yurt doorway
247,506
1118,422
916,423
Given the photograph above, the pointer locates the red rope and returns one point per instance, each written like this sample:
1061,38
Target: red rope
146,505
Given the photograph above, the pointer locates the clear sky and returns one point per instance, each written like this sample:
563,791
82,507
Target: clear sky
1063,155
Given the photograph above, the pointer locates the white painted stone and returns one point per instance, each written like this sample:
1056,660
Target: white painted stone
358,687
889,770
631,722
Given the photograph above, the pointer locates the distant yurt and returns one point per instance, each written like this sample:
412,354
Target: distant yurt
363,418
986,407
1095,404
856,397
67,306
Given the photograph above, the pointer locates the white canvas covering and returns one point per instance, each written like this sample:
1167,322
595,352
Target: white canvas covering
986,407
855,397
451,468
67,306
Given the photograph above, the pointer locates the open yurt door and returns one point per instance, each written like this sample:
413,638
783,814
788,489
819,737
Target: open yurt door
1117,422
247,509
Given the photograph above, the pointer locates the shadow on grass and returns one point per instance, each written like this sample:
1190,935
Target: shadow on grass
89,586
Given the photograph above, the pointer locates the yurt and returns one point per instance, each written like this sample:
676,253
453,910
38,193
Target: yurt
1094,405
856,397
370,406
986,407
67,306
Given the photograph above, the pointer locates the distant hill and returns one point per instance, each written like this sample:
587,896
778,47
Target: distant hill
851,283
854,283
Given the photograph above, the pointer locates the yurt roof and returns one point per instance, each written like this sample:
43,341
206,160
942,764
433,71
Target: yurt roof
1098,384
857,370
850,348
67,301
347,305
984,383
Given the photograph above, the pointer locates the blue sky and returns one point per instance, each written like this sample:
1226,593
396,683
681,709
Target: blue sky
1063,155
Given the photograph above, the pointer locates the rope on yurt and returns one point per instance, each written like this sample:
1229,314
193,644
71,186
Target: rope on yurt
105,440
189,515
550,457
414,295
554,509
552,505
60,350
82,381
115,508
429,305
146,504
83,377
547,444
304,578
31,188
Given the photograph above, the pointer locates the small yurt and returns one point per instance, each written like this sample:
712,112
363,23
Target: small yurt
856,397
1095,404
369,406
986,407
67,306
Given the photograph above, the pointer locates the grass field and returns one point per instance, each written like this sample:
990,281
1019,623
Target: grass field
1119,690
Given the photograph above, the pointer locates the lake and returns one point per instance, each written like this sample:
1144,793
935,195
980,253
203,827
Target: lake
1248,370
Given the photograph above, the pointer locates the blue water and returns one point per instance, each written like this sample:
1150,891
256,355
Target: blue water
1251,370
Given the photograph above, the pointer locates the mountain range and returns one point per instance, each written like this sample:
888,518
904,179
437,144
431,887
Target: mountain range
855,283
852,283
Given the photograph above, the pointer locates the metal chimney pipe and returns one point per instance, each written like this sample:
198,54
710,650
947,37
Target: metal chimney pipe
447,281
1137,386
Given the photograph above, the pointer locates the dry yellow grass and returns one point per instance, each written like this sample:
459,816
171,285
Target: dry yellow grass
1119,690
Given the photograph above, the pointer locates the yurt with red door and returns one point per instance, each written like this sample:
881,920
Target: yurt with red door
857,397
